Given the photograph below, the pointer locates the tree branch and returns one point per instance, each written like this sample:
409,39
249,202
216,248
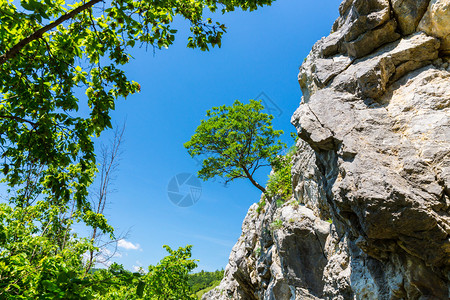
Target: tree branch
18,119
12,52
249,176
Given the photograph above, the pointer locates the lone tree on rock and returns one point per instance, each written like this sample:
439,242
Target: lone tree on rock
237,140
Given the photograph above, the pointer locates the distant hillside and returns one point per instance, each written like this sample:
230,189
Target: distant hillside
205,280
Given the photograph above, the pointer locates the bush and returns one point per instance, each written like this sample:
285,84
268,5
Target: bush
280,180
275,225
261,205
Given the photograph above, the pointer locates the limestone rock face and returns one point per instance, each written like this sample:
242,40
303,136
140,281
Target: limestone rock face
409,13
436,22
370,213
281,255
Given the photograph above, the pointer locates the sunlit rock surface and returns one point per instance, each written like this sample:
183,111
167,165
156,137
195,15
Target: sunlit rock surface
371,179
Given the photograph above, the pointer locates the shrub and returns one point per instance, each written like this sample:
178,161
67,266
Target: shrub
275,225
261,205
280,180
280,203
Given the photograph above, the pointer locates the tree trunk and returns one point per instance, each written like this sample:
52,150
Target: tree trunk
260,187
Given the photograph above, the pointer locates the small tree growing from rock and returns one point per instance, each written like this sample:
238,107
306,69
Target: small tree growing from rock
237,140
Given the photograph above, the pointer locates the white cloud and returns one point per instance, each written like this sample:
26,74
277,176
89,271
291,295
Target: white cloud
136,268
128,245
105,252
139,268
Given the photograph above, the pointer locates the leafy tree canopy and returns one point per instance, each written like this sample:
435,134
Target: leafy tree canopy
236,140
169,279
53,50
33,266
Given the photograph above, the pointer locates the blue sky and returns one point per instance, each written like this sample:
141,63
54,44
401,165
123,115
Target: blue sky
261,52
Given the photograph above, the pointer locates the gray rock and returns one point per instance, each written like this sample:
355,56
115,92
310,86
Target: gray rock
373,160
370,40
369,76
409,13
436,22
290,267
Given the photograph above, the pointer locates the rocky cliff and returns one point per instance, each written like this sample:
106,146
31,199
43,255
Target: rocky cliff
370,216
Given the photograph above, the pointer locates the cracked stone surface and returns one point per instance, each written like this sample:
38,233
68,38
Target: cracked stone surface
409,13
436,22
370,213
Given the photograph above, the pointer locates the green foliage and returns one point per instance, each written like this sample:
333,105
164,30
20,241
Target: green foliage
295,204
236,140
258,252
261,205
117,283
330,221
52,51
33,265
280,181
280,203
276,224
202,280
169,279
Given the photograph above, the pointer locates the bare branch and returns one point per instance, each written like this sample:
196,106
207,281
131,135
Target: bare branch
108,168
